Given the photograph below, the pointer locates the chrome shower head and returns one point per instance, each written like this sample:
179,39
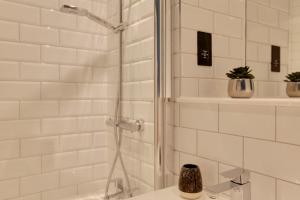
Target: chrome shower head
83,12
73,10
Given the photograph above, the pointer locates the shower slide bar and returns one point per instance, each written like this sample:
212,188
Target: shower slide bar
134,126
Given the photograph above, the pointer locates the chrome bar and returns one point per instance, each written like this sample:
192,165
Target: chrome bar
159,97
135,126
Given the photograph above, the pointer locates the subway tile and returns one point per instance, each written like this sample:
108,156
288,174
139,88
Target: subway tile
30,197
227,25
76,39
199,116
147,173
252,11
220,45
213,88
92,91
191,2
185,140
9,110
9,189
75,142
258,32
273,159
143,110
287,118
223,65
237,48
268,16
39,183
9,31
189,87
19,167
59,161
188,41
39,72
215,5
279,37
220,147
36,109
39,35
19,91
268,89
100,139
58,55
58,126
260,70
9,70
75,74
284,20
60,193
91,123
237,8
76,176
44,4
100,171
94,156
190,67
9,149
99,107
248,120
280,5
73,107
39,146
19,129
91,187
57,19
19,13
190,13
19,51
262,187
59,91
287,190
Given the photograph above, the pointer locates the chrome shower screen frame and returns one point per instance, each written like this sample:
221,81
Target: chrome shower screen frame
161,89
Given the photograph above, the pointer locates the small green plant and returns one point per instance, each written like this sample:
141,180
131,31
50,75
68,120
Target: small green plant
240,73
293,77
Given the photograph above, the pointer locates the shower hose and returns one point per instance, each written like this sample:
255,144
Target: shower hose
118,154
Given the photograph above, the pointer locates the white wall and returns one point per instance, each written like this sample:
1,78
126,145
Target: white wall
220,136
261,138
57,85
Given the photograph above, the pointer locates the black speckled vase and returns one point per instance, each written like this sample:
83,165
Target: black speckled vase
190,182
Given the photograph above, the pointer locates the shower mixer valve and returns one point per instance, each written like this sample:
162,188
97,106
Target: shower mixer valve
134,126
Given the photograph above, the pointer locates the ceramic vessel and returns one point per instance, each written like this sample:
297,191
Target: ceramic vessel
241,88
190,182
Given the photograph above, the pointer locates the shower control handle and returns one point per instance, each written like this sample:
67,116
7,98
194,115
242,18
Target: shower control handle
132,126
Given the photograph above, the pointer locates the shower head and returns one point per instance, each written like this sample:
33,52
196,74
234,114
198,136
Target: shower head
74,10
83,12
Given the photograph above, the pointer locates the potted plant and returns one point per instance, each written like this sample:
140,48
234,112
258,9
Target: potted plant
293,84
241,83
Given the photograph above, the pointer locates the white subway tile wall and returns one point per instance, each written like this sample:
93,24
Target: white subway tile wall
57,76
260,138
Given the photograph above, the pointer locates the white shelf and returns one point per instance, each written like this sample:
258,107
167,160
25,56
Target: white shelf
251,101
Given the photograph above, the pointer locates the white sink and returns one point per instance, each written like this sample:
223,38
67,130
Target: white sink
172,193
